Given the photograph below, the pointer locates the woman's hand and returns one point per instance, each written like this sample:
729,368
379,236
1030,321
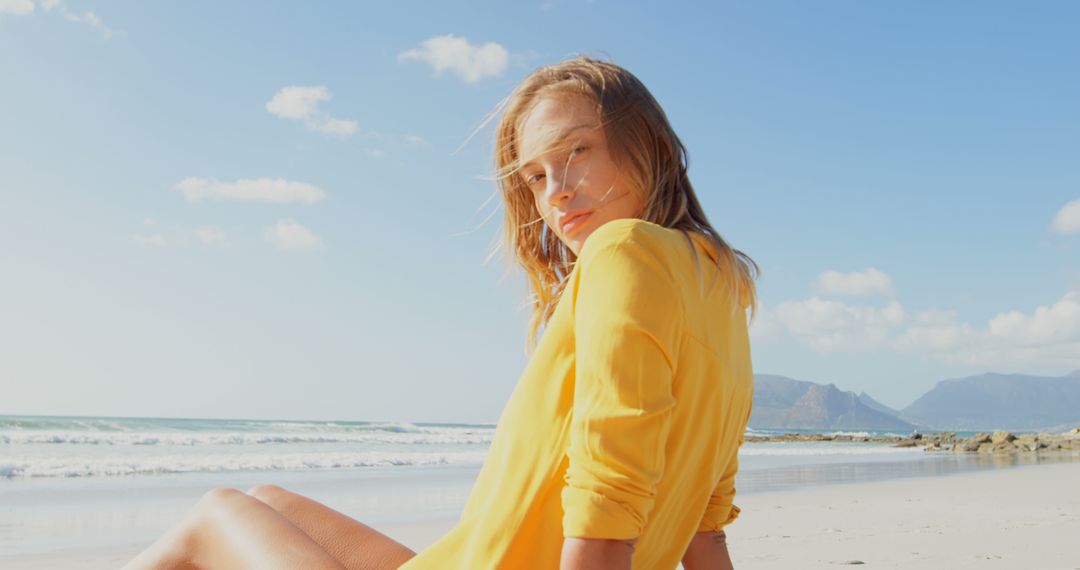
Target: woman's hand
596,554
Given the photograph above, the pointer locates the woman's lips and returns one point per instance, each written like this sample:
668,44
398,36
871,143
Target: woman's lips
575,222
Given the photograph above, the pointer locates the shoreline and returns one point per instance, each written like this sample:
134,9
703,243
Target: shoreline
997,442
1010,517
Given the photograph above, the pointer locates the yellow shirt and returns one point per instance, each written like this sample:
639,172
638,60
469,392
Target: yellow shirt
627,419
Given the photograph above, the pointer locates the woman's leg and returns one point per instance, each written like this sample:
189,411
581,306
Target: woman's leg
229,529
355,545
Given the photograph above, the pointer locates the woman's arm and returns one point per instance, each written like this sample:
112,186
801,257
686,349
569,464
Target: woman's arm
707,551
596,553
628,321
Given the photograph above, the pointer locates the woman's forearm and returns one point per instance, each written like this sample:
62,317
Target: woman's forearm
596,554
707,551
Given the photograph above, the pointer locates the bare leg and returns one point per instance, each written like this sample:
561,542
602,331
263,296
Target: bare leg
355,545
229,529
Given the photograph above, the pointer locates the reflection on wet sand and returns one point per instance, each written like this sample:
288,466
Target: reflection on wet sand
932,465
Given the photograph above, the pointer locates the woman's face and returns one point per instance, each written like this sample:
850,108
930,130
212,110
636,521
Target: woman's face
576,187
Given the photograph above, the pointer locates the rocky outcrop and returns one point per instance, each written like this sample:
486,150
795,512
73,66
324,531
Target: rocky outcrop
806,437
996,442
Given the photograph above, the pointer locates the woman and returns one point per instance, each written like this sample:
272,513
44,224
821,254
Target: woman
618,447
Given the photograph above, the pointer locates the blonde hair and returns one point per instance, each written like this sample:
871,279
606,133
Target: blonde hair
646,151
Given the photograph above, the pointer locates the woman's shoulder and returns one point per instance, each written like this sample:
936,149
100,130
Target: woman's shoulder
647,248
634,249
630,233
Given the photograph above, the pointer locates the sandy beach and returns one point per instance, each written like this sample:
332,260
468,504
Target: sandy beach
1019,518
1023,517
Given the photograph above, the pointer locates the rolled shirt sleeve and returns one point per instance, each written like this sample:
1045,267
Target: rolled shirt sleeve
628,319
721,509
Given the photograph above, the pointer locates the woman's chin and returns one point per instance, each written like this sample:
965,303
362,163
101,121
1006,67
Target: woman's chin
576,241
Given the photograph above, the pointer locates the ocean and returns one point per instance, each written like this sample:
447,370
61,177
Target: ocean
35,447
43,447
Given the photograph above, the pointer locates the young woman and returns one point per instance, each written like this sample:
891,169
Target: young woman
618,447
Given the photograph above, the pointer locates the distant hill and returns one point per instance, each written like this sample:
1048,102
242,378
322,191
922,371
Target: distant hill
988,401
876,405
784,403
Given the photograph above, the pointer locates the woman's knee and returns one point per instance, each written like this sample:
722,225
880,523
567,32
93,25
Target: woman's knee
218,498
182,543
270,494
265,490
218,494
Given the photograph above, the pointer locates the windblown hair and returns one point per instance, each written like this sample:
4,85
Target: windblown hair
648,155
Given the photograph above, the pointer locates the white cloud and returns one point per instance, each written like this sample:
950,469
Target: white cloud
337,126
470,62
865,283
1050,335
156,240
1046,338
89,18
301,103
26,7
832,325
273,190
16,7
209,235
1067,220
764,328
386,141
288,235
407,142
175,235
296,102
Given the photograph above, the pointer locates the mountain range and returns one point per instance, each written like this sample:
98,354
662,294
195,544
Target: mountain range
989,401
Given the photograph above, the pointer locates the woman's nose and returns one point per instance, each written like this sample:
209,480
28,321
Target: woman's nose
559,188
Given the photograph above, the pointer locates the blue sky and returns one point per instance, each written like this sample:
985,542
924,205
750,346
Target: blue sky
255,210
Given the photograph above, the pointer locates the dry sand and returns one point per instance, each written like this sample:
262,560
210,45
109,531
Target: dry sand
1023,518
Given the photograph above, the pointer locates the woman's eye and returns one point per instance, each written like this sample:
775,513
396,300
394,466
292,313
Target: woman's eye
529,181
